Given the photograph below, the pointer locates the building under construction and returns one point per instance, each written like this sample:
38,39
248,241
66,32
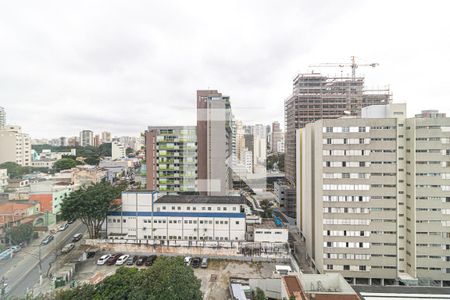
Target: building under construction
316,96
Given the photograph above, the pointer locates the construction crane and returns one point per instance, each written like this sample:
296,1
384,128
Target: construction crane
352,65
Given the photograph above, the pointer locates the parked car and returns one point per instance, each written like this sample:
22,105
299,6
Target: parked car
132,259
76,237
150,260
196,261
112,260
204,262
102,260
122,259
187,260
71,221
63,227
67,248
16,248
141,260
47,239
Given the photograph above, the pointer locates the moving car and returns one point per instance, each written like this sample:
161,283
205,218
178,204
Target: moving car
63,227
76,237
47,239
141,260
132,259
102,260
150,260
187,260
196,261
67,248
204,262
16,248
112,260
122,259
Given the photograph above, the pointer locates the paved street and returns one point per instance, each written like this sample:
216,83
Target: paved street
22,271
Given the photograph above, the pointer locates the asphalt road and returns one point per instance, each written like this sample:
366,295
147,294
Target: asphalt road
22,271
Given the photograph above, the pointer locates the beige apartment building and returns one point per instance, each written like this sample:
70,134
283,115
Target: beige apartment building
373,196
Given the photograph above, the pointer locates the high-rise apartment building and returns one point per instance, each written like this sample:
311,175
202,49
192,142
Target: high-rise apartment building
86,138
106,137
118,150
214,143
277,136
97,140
373,196
15,146
316,96
2,117
171,157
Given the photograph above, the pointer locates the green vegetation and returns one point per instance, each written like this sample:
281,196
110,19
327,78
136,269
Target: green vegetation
168,278
265,205
20,233
259,294
275,159
91,205
64,164
90,154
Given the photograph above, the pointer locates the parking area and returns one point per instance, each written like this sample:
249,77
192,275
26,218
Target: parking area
214,278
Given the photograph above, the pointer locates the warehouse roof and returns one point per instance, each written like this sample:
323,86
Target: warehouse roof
201,199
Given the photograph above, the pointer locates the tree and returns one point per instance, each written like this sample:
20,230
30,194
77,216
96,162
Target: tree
90,205
85,291
14,170
120,285
259,294
64,164
20,233
265,205
129,151
104,149
92,160
168,278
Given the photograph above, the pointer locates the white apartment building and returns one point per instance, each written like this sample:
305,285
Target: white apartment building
144,216
15,146
2,117
373,196
86,138
106,137
117,150
3,179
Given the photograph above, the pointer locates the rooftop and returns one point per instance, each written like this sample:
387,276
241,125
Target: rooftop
268,224
202,199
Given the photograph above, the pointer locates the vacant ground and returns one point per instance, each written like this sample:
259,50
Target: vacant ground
217,289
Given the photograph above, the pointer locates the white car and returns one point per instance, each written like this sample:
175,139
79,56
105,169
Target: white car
63,227
121,260
187,260
102,260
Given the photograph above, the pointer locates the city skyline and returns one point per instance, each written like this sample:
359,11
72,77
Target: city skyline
115,74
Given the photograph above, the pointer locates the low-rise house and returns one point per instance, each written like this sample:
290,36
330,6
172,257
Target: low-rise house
13,214
50,195
329,286
270,232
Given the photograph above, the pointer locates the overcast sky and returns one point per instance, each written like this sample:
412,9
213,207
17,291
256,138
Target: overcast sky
123,65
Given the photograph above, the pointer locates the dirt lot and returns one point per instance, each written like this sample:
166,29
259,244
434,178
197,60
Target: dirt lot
213,289
217,289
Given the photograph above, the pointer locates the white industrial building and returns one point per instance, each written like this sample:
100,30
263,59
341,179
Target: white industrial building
144,216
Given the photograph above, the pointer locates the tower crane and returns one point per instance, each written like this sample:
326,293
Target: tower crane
353,65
